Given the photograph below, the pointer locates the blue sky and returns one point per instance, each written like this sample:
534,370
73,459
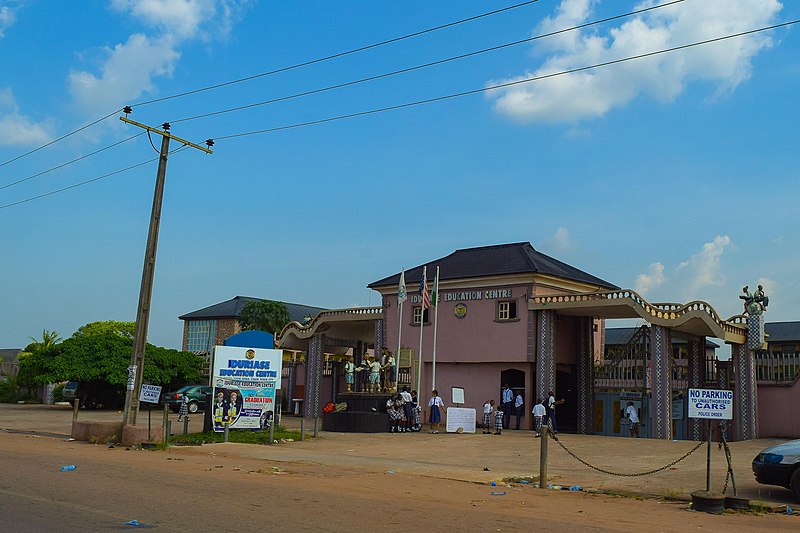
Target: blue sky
676,175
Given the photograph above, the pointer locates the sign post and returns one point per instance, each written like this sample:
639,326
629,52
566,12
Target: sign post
150,394
710,404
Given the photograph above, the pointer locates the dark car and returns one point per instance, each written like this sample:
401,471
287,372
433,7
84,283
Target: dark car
96,394
779,465
195,393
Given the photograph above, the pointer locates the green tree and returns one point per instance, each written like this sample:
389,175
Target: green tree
49,340
122,329
264,315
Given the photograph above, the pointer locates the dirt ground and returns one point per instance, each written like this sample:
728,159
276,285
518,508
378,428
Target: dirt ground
341,482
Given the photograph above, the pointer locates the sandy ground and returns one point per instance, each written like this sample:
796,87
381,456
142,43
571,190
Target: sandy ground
357,482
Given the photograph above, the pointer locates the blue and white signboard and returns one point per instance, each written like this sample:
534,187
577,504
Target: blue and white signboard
244,381
150,393
711,404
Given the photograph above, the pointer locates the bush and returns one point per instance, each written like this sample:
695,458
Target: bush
58,392
9,391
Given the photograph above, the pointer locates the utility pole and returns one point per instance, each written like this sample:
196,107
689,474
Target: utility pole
146,291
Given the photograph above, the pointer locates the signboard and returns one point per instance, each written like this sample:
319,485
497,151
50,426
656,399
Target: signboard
711,403
458,395
150,393
460,417
244,382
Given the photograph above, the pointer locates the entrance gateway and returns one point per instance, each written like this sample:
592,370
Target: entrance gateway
524,315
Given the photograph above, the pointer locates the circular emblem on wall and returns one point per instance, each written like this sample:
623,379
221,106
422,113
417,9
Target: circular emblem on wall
250,354
461,311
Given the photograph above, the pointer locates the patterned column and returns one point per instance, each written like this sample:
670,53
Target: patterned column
379,340
336,371
290,386
585,364
661,386
315,361
697,364
745,406
546,353
358,358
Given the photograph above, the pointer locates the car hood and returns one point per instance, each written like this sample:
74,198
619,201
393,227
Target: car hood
791,448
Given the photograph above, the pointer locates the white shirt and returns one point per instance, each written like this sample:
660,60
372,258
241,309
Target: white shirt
551,402
507,395
632,415
487,408
437,401
518,401
538,410
406,396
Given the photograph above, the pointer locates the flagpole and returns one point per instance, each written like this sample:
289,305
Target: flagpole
435,303
400,298
421,326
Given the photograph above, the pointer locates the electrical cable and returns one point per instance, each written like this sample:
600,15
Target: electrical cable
73,132
62,165
276,71
425,65
92,180
336,55
503,85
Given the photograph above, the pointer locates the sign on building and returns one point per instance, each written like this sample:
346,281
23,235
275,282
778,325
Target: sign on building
244,382
711,404
150,393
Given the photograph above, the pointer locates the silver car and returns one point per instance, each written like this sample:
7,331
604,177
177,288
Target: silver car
779,465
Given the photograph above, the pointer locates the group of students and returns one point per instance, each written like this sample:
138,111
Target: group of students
544,413
405,412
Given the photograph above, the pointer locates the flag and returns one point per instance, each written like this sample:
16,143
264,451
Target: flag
423,290
435,293
402,292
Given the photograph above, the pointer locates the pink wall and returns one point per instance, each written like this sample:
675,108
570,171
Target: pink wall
475,338
777,410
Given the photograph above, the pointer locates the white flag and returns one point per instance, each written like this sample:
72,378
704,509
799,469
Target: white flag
402,293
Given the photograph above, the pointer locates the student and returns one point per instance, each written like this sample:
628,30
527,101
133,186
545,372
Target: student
435,415
519,409
551,410
408,408
498,422
184,409
508,402
539,413
488,407
633,420
417,408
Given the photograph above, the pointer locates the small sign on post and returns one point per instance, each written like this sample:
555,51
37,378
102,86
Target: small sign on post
711,403
150,393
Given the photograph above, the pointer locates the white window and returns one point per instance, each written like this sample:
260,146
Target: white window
507,310
418,313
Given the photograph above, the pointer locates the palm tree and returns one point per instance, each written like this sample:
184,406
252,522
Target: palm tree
49,339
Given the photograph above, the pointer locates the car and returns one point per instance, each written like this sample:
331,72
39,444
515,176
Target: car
196,394
95,394
69,392
779,465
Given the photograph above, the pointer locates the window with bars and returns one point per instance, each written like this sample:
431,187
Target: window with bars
418,313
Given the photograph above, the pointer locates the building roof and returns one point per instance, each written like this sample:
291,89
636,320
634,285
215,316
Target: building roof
497,260
9,355
782,331
233,308
616,336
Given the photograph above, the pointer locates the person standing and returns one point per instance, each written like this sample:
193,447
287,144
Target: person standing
539,413
507,402
408,407
498,422
632,415
519,408
435,406
488,407
551,410
184,408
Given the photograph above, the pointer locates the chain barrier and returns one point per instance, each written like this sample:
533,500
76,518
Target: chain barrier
623,474
723,443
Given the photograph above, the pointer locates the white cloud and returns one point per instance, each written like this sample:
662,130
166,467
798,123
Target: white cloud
560,243
593,93
7,17
694,279
130,69
651,280
15,128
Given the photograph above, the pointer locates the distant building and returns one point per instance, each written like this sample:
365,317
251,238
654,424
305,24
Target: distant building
9,362
210,326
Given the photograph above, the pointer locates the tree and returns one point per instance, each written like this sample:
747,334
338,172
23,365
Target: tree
49,339
264,315
122,329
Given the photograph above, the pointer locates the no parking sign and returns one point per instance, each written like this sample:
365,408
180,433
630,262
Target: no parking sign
711,404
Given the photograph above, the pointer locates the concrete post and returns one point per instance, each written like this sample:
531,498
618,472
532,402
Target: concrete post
745,400
661,386
697,367
546,353
585,368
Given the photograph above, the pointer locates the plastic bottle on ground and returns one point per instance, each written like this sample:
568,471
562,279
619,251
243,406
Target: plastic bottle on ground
68,468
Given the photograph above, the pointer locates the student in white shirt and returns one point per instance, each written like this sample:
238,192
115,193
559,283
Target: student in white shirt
539,413
632,416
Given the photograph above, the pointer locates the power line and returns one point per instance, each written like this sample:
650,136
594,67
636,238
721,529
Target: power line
73,132
503,85
86,182
276,71
62,165
336,55
422,66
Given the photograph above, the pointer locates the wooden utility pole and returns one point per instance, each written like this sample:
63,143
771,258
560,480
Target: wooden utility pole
146,291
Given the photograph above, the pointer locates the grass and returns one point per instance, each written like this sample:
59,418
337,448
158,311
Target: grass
241,437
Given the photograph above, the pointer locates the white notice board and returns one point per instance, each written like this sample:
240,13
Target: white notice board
460,417
150,393
711,403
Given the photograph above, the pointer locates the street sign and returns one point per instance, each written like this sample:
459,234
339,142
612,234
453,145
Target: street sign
150,393
711,404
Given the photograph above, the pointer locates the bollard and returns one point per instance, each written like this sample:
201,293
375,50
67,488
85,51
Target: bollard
165,423
169,429
316,419
186,424
227,423
303,428
76,404
543,457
